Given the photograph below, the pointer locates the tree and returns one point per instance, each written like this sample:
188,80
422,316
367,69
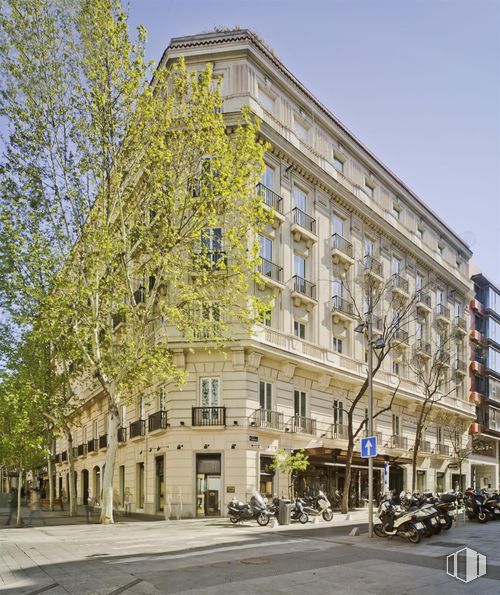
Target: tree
379,303
432,372
116,195
290,464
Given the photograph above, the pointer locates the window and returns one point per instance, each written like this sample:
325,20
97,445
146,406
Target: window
299,265
419,282
141,407
419,331
95,430
439,434
299,329
299,129
369,247
162,398
337,226
123,415
493,360
457,307
395,265
84,434
396,425
420,232
299,199
493,330
209,392
211,238
395,368
338,164
268,177
266,316
493,300
338,413
337,286
440,296
266,248
396,211
494,419
265,393
337,345
369,188
299,403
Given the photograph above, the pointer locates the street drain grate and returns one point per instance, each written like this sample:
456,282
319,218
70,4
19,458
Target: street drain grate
256,561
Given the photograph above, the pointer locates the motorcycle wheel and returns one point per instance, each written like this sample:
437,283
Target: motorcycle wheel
437,529
263,519
429,531
303,518
327,515
233,519
414,535
449,523
483,517
379,530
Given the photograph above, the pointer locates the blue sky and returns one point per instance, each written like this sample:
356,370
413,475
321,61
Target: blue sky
417,81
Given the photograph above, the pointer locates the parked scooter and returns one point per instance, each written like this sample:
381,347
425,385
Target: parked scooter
256,509
424,509
319,505
395,521
297,512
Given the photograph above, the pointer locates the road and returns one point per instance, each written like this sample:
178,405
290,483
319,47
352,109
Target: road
214,557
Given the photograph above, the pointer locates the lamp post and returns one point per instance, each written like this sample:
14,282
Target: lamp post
378,344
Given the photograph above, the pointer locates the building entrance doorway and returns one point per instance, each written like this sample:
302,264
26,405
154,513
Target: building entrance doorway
160,483
208,485
396,480
85,486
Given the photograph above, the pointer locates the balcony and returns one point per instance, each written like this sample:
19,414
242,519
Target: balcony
302,425
303,292
137,428
270,274
75,451
399,442
340,432
443,357
423,302
459,326
342,252
342,310
82,450
442,449
303,227
377,325
268,419
373,269
400,338
423,349
93,445
64,455
157,421
272,200
208,416
460,368
378,436
122,435
399,286
442,314
425,446
103,441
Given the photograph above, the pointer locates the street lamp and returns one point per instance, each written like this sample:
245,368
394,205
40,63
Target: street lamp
378,344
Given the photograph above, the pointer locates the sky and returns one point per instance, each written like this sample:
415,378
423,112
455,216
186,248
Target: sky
417,81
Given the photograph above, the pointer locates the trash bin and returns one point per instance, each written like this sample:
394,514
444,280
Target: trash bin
284,513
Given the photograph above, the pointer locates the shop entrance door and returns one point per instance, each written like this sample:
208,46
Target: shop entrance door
396,480
160,484
212,496
208,485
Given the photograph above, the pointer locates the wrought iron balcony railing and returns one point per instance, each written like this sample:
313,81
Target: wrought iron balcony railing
304,287
340,431
442,449
92,445
270,198
270,269
341,305
103,441
304,220
372,265
442,310
137,428
122,435
399,282
157,421
266,418
82,449
342,245
305,425
423,347
400,442
423,298
208,416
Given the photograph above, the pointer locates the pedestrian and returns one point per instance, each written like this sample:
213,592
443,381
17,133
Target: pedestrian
89,507
35,507
12,506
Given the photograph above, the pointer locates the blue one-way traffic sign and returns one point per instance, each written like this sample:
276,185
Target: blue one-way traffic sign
369,446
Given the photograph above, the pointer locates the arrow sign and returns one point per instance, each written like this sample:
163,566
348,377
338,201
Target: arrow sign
369,446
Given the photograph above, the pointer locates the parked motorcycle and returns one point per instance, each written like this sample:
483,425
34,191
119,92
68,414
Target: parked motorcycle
297,512
255,510
424,509
475,507
319,505
395,521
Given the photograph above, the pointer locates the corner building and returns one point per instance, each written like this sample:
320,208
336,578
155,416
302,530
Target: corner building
287,384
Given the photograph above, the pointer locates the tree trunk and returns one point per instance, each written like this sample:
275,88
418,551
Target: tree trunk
71,482
416,448
19,489
51,482
109,470
347,480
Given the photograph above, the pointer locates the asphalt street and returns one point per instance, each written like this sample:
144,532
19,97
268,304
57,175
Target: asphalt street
213,557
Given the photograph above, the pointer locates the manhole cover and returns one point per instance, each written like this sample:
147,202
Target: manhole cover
256,561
